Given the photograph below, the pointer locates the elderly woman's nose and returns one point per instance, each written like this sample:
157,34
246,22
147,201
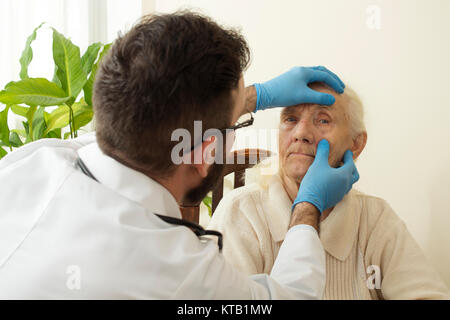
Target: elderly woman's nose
304,131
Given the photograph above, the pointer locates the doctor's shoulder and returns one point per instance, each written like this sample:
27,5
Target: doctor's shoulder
68,147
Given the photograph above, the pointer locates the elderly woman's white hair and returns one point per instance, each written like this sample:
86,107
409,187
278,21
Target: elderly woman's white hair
355,111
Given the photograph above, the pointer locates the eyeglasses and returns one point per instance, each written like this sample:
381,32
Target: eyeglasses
246,122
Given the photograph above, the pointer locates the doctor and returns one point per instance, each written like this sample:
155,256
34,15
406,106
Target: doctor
98,217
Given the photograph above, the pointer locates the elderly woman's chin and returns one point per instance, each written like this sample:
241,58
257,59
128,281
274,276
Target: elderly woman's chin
296,170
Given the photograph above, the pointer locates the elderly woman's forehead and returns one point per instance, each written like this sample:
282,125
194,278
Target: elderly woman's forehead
307,106
322,87
338,105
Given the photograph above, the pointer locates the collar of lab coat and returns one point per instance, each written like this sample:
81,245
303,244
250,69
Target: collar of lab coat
337,232
128,182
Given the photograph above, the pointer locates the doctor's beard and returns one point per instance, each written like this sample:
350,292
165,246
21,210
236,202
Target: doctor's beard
197,194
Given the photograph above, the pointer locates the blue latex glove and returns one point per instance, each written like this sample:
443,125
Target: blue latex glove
291,88
324,186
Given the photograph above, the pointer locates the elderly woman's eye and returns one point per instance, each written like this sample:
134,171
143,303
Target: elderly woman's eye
291,119
324,121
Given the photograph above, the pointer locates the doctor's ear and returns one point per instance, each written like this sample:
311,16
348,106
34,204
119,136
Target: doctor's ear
204,155
358,144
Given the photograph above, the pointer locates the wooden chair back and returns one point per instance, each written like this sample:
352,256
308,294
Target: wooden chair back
239,161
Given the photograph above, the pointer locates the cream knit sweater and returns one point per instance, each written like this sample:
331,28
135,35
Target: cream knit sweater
361,236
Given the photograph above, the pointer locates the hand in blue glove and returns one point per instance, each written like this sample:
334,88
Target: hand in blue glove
291,88
324,186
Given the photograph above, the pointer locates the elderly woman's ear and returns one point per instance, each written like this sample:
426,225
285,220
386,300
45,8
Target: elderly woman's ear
358,144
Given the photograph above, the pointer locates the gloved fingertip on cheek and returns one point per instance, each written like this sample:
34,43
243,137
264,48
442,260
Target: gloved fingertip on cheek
348,156
355,176
323,147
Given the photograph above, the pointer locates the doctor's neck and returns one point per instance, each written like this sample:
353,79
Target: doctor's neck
180,183
173,185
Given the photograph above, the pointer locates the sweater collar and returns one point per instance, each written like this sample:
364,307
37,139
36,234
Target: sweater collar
337,232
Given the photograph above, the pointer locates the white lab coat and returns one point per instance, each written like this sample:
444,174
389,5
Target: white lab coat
65,236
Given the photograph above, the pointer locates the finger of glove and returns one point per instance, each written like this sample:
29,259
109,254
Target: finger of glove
323,151
355,175
316,97
349,166
348,156
323,76
322,68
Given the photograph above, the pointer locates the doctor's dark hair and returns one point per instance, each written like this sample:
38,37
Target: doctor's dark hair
166,72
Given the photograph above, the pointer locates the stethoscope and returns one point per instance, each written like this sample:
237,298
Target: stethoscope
196,228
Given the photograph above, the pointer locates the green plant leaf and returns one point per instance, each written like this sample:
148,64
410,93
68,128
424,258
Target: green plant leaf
68,61
20,132
87,89
208,203
39,125
58,118
15,140
89,57
4,129
26,127
46,116
54,134
27,54
33,91
2,152
57,132
55,77
83,114
20,110
66,135
30,114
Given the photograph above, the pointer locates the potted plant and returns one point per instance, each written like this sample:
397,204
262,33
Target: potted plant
68,95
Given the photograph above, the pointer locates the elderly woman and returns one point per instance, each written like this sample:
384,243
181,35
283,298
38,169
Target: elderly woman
369,252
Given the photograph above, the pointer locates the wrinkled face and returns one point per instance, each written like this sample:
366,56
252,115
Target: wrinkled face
303,126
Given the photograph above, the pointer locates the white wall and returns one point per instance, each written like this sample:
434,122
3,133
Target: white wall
83,21
18,18
402,73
